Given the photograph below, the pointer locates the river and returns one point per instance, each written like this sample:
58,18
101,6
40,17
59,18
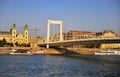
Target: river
59,66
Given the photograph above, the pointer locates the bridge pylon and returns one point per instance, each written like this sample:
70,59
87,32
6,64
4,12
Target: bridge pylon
59,22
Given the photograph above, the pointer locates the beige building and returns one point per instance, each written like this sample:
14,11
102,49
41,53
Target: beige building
72,35
6,35
109,34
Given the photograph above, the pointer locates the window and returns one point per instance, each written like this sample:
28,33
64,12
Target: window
14,32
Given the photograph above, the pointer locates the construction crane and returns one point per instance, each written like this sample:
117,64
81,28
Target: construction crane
35,31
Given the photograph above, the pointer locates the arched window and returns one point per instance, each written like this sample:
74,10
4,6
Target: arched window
26,33
14,32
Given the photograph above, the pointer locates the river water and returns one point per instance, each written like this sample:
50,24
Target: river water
59,66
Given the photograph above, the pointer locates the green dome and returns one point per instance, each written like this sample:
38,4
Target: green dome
14,26
26,27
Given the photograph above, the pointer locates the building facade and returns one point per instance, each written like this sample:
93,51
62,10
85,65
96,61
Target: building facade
109,34
20,38
73,35
13,37
6,35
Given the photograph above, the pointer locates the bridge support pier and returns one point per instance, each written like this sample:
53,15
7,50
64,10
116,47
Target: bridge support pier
47,46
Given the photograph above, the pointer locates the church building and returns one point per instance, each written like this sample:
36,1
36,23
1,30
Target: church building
19,38
12,36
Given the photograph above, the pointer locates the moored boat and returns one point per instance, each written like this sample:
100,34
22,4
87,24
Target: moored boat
12,53
21,52
107,52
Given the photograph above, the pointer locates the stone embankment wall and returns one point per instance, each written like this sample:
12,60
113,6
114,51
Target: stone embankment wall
51,51
4,50
84,50
87,51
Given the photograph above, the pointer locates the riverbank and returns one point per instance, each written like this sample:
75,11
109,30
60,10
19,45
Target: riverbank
56,51
4,50
83,51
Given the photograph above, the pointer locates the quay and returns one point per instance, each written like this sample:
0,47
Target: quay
57,51
5,50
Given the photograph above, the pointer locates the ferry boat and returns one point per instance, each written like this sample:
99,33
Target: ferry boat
107,52
21,52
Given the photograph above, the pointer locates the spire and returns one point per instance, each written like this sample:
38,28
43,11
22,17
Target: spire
26,27
14,26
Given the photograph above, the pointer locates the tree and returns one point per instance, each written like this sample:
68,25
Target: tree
2,43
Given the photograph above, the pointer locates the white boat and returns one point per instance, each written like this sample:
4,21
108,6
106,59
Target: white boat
21,52
107,52
13,53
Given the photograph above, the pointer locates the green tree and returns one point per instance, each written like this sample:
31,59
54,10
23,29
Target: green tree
2,43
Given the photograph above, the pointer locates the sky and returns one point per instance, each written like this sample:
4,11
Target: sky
83,15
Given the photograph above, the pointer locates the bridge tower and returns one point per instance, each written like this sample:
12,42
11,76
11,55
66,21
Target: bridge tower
59,22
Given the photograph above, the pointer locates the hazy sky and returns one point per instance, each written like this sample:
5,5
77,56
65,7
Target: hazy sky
90,15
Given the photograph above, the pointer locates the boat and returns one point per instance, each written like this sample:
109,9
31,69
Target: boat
107,52
12,53
21,52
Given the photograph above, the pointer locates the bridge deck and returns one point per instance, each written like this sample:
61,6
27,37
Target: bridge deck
82,41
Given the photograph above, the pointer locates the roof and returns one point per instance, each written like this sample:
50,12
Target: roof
5,32
80,31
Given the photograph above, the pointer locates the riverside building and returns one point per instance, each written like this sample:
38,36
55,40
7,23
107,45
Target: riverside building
109,34
13,37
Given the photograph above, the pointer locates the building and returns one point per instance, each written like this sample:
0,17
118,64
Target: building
109,34
99,34
20,38
72,35
6,35
13,37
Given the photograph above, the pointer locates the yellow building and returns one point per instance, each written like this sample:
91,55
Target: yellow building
109,34
20,38
12,36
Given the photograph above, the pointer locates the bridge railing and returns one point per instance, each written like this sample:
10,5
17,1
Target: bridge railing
80,40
